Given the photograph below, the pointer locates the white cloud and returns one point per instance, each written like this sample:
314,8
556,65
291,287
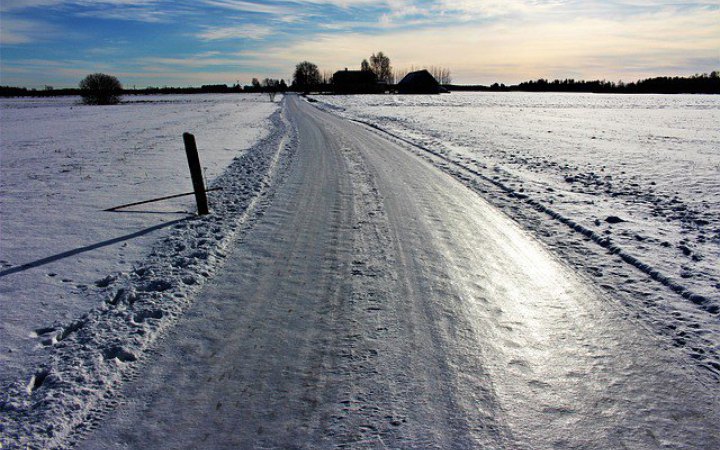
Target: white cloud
239,5
347,3
246,31
131,14
197,61
16,5
131,10
20,31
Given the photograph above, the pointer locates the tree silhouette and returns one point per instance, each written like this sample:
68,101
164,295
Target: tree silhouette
100,89
365,65
441,74
380,64
271,86
306,76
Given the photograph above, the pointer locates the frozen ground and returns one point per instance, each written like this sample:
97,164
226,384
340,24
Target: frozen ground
63,163
637,177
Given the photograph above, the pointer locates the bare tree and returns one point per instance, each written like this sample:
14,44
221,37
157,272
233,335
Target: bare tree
306,76
445,77
441,74
380,64
399,74
327,76
271,86
100,89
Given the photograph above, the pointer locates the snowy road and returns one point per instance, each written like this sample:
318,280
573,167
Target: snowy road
380,302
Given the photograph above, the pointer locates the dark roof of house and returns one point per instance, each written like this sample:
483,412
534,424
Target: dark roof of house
419,82
355,82
354,77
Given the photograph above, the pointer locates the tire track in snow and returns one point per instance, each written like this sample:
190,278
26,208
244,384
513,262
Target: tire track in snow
392,396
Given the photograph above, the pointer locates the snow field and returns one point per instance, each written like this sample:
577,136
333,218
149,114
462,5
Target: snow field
64,162
60,384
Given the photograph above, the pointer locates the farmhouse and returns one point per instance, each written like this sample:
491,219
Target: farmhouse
355,82
420,82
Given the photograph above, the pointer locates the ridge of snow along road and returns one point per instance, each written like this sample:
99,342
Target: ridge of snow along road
688,320
88,357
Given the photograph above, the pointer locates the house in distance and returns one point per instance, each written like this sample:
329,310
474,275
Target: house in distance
366,82
355,82
419,82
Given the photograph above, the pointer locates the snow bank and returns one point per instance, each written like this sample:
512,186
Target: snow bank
81,361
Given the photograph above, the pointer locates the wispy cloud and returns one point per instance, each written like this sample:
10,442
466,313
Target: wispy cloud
137,14
21,31
239,5
246,31
150,11
196,61
16,5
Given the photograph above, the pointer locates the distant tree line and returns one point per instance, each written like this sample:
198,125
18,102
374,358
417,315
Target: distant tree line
307,77
9,91
695,84
268,85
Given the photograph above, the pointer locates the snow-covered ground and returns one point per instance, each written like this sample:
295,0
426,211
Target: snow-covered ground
64,162
627,187
624,188
379,303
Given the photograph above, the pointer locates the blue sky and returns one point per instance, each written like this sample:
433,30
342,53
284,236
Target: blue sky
183,43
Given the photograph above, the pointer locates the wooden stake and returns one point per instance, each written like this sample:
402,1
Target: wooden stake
196,173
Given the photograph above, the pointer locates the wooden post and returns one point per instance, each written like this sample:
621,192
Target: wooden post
196,173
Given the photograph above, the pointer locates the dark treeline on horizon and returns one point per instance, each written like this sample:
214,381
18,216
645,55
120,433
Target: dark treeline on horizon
8,91
696,84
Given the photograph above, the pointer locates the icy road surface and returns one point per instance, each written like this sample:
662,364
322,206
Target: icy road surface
380,302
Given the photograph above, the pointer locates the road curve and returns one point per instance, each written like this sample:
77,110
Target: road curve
378,302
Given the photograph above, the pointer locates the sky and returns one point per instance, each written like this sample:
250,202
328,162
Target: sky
190,43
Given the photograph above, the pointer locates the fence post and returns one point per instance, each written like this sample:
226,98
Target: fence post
196,173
